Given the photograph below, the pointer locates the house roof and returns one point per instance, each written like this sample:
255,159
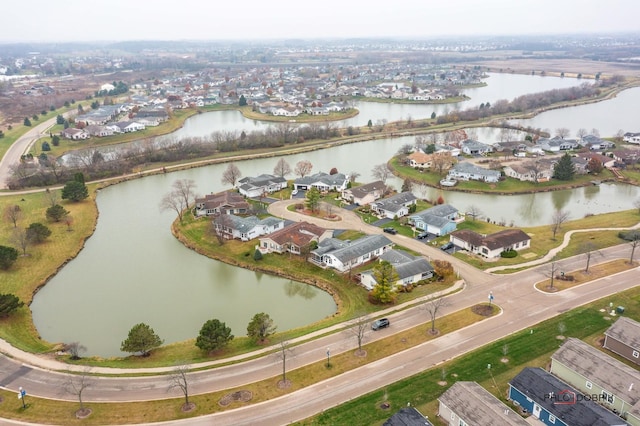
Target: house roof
246,224
547,391
354,249
226,198
407,416
473,404
330,180
395,202
600,368
396,257
436,215
504,238
470,168
299,233
626,331
363,190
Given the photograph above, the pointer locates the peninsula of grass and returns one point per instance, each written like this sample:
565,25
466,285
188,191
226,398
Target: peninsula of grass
564,280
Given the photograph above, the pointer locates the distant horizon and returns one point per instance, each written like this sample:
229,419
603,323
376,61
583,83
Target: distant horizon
40,21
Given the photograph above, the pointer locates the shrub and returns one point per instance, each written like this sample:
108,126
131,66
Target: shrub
508,254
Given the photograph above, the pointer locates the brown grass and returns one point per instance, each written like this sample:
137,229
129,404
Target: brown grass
581,277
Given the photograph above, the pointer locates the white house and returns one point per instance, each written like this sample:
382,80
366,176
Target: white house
468,171
260,185
490,246
530,171
364,194
438,220
395,206
323,181
344,255
410,269
471,147
245,228
75,134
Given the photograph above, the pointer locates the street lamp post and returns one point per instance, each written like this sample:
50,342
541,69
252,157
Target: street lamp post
490,297
328,358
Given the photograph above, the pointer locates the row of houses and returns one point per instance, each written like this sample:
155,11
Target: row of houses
583,387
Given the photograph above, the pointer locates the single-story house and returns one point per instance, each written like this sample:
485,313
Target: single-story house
364,194
293,238
98,130
631,137
471,147
260,185
407,416
74,134
451,150
557,144
469,404
129,126
344,255
555,403
623,338
530,171
595,143
227,202
593,372
395,206
421,160
410,269
438,220
606,162
490,246
245,228
468,171
323,181
626,157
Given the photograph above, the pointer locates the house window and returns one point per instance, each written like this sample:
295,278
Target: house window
588,385
635,354
462,423
552,419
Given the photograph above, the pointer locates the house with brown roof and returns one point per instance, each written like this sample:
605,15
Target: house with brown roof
530,171
490,246
468,403
421,160
623,338
227,202
364,194
293,238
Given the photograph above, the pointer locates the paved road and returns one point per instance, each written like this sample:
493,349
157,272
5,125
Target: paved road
523,306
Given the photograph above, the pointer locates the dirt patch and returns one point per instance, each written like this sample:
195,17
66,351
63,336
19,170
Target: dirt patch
483,310
360,353
284,384
186,408
442,383
83,413
560,337
504,360
241,396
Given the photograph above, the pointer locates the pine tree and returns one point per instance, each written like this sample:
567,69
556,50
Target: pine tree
564,170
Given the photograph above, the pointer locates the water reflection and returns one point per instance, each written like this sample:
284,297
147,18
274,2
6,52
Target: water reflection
298,289
560,199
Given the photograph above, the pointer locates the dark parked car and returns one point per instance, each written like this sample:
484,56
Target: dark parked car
423,235
380,323
391,231
447,246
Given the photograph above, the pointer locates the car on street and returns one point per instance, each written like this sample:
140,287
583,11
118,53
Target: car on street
423,235
391,231
380,323
447,246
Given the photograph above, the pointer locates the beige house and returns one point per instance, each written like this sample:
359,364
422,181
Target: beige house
623,338
469,404
615,385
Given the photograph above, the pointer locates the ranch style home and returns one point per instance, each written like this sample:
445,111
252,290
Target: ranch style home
293,238
490,246
468,171
227,202
344,255
230,226
395,206
364,194
260,185
438,220
323,181
623,338
410,269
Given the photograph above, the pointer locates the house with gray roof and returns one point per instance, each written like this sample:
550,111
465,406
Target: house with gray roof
410,269
364,194
465,170
323,181
593,372
557,144
438,220
407,416
623,338
471,147
595,143
395,206
555,403
469,404
344,255
245,228
490,246
258,186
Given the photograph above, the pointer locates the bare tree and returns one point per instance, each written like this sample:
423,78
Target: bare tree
231,175
219,224
74,349
432,307
51,197
76,384
595,132
282,168
68,220
179,379
634,243
359,327
353,176
557,220
13,213
474,211
20,238
589,250
421,189
441,162
619,136
284,352
179,198
562,132
303,168
535,168
581,133
551,272
381,172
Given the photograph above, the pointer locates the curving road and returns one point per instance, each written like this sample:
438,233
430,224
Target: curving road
523,306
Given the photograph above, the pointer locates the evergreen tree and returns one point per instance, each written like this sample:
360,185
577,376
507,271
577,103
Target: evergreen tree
27,122
260,327
56,213
75,191
564,170
8,304
141,339
213,335
242,101
313,199
8,255
38,232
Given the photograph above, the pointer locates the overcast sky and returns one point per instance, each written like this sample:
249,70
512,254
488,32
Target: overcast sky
82,20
